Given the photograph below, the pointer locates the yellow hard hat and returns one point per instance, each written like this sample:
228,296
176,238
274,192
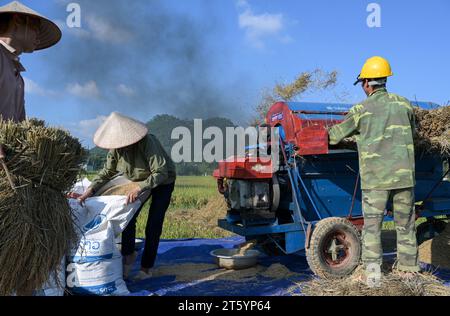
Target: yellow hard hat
374,68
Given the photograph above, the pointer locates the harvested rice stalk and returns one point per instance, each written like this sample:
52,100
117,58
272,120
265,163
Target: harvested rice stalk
433,131
36,223
392,284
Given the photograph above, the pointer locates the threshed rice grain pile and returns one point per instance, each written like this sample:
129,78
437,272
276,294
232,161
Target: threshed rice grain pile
121,189
436,251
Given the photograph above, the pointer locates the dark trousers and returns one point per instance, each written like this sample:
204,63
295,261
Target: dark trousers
160,203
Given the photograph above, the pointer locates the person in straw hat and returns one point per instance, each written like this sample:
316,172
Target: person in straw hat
139,157
22,30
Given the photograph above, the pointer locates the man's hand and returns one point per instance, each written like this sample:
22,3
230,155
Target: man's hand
85,196
133,196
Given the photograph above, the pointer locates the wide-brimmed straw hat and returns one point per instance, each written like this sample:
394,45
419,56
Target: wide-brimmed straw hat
49,32
119,131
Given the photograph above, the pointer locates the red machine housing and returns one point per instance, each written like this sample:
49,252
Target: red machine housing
309,136
245,169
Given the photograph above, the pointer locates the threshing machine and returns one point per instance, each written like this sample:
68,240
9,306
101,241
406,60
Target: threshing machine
312,200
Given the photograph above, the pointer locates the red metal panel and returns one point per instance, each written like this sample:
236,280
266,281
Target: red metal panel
244,169
358,222
309,136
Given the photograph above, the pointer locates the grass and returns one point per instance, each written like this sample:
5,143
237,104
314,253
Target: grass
187,216
193,211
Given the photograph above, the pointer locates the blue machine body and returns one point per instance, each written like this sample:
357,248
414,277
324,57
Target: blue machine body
325,186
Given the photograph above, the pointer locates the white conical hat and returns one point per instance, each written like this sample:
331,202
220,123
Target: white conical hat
49,33
119,131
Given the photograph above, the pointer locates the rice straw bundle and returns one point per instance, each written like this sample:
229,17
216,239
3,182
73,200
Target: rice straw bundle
433,128
433,131
36,224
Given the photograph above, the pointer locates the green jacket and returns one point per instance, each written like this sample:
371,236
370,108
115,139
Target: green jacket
145,162
384,127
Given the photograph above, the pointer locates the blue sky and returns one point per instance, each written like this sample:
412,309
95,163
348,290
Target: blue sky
251,45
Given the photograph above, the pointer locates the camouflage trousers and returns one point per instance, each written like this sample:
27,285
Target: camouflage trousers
374,205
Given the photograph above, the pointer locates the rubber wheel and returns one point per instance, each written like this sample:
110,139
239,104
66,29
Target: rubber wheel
334,249
430,229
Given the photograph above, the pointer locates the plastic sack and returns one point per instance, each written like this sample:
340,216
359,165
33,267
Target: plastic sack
95,266
81,186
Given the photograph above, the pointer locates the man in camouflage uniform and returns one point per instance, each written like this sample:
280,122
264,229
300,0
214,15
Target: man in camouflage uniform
383,126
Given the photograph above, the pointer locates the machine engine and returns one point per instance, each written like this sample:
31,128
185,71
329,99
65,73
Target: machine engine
252,202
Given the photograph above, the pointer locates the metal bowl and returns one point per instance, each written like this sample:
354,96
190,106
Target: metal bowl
231,260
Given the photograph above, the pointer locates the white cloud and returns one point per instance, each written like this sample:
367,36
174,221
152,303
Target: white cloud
105,31
87,90
97,28
79,32
31,87
126,91
259,27
242,4
86,128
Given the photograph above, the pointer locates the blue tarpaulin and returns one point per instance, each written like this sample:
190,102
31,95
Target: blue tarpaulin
181,253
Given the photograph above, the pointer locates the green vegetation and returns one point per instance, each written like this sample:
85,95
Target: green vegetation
191,214
191,195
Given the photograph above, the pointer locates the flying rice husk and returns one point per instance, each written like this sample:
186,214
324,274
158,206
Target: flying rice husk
36,223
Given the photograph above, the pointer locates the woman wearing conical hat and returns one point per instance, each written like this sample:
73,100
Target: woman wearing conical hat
140,158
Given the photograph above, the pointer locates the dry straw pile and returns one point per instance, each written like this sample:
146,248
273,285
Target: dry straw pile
392,284
433,128
432,131
36,225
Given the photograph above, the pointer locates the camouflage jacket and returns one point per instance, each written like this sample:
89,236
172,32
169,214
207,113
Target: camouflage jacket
384,127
